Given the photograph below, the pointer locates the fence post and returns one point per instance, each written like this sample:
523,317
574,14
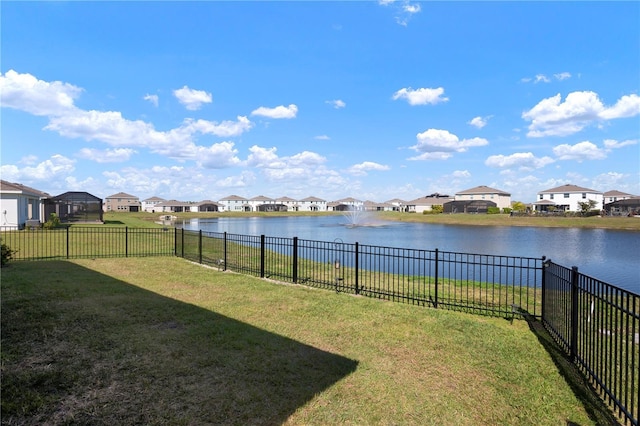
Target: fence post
357,268
262,256
126,241
175,241
225,251
574,313
295,260
435,300
182,238
68,242
543,283
200,246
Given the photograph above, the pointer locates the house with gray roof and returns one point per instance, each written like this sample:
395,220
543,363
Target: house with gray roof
501,198
567,198
20,204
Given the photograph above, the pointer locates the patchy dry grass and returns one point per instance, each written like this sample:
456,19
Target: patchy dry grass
164,341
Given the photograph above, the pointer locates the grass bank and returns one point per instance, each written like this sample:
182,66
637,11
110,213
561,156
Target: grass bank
164,341
143,219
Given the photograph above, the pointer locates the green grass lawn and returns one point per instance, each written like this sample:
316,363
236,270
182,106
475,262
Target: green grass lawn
164,341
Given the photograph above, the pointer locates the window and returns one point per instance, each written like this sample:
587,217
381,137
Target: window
551,197
566,195
541,196
584,195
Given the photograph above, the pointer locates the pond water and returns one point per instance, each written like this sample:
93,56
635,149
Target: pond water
608,255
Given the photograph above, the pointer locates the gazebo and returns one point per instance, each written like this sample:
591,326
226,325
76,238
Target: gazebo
74,207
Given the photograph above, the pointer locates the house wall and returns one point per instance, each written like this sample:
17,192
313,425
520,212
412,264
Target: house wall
502,201
571,199
120,204
16,209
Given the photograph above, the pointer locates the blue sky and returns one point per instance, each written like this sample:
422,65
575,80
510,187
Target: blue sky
372,100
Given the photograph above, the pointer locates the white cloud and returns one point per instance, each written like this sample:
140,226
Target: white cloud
562,76
322,137
366,166
422,96
614,144
435,144
541,78
54,168
337,103
117,155
521,160
278,112
151,98
223,129
192,99
478,122
552,117
579,152
26,93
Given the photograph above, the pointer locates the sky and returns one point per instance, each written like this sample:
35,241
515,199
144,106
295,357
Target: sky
373,100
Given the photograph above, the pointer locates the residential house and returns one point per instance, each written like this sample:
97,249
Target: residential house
234,203
149,205
501,199
261,203
312,204
345,204
372,206
20,204
567,198
122,202
615,195
75,207
289,203
422,204
398,204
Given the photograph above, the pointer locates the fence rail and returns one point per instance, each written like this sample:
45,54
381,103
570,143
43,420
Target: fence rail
595,323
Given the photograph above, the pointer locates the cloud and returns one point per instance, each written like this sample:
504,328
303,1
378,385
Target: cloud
524,161
26,93
322,137
337,103
421,96
478,122
366,166
614,144
552,117
151,98
541,78
435,144
223,129
55,168
579,152
117,155
192,99
278,112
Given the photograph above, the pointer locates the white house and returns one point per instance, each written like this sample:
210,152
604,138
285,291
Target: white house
234,203
346,204
149,205
312,204
567,197
18,204
501,198
615,195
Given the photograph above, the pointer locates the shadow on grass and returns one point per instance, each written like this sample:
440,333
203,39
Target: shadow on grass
113,222
594,405
82,347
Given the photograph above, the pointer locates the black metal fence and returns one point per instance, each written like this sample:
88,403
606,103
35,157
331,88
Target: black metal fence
595,323
598,326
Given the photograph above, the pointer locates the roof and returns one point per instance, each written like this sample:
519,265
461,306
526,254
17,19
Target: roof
428,201
348,200
285,199
22,189
174,203
544,203
616,193
80,196
482,189
233,198
568,188
313,199
396,201
122,195
154,199
261,198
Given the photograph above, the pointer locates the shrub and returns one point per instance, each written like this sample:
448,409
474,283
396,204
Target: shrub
507,210
436,209
493,210
53,222
7,254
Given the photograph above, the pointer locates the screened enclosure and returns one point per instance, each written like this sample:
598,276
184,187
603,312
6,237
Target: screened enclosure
74,207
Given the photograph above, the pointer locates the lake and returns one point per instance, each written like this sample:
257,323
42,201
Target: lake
608,255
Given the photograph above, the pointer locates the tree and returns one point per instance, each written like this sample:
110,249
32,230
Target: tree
518,206
586,206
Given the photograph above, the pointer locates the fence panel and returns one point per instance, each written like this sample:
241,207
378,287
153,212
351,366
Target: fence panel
598,326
